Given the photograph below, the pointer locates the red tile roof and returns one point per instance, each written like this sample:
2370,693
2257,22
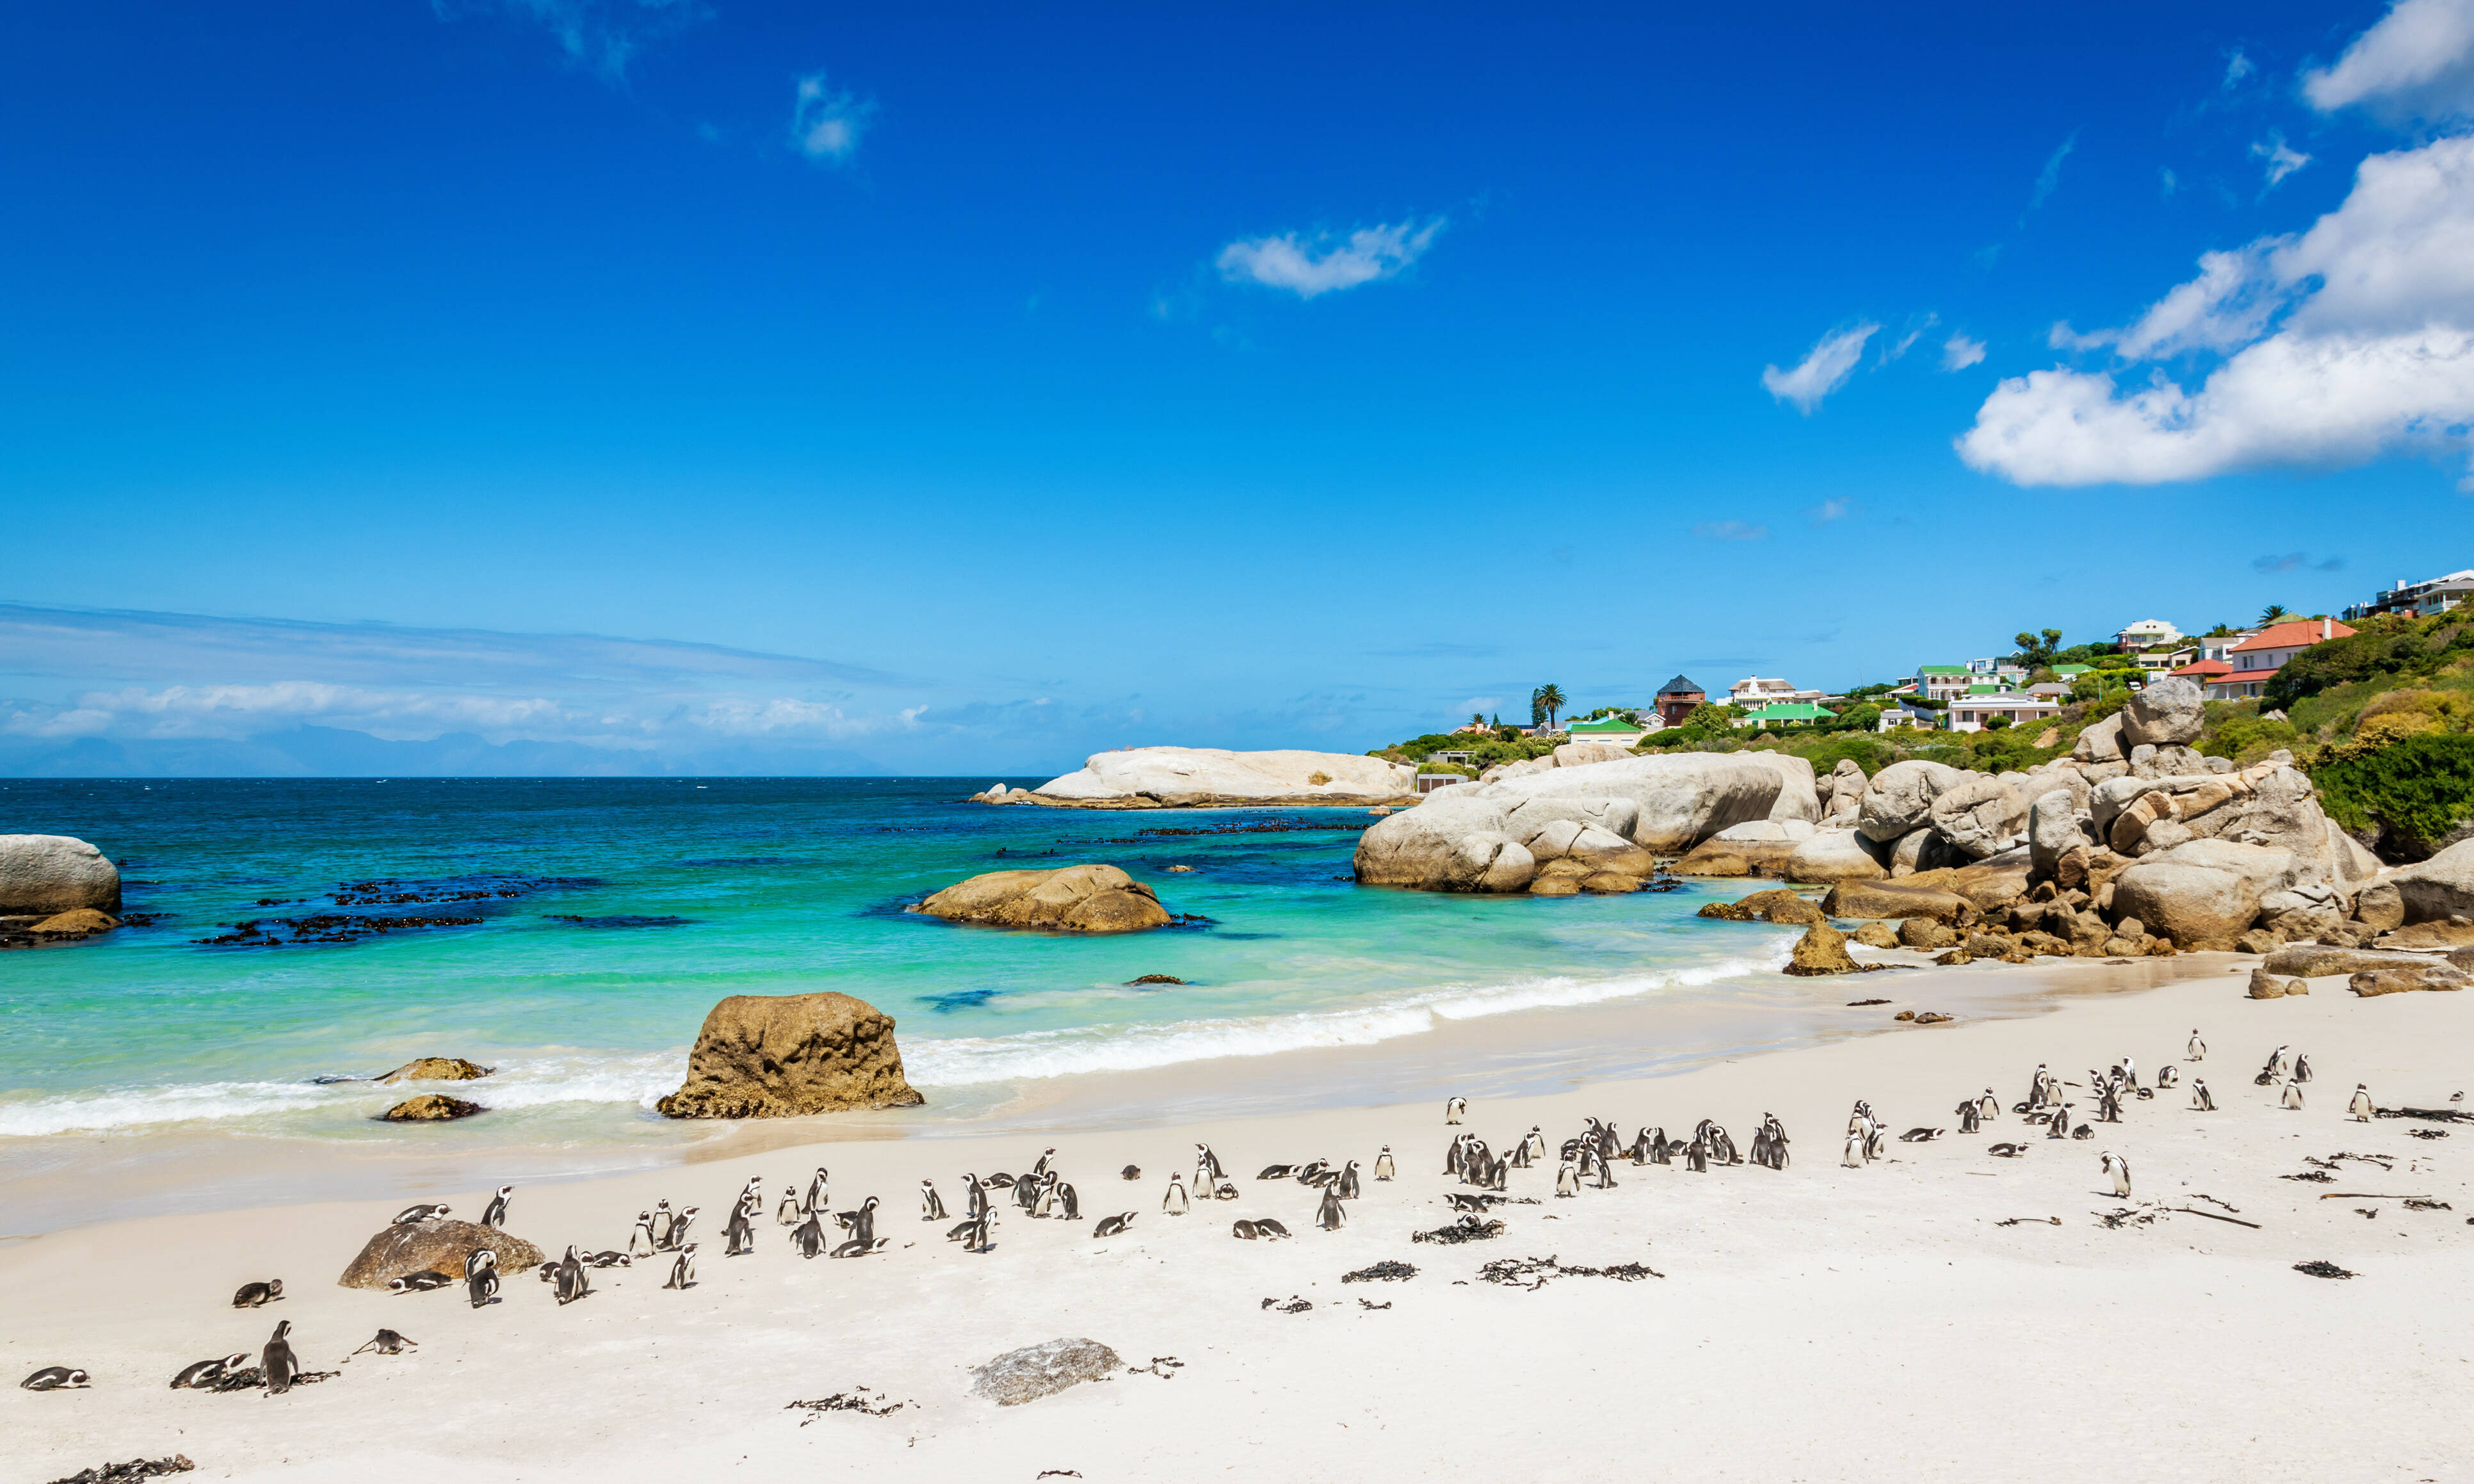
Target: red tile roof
2300,634
2205,668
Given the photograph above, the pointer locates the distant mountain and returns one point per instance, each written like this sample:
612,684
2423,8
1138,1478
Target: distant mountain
333,752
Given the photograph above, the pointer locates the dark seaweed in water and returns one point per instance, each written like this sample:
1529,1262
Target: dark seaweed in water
485,887
349,927
2322,1270
1382,1273
620,920
324,928
129,1472
961,999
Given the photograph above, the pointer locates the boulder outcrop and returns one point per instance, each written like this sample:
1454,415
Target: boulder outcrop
2202,895
2438,888
54,873
1069,899
2168,712
1896,899
1759,848
1195,777
1833,856
2401,980
1771,906
1899,797
1478,837
788,1056
1980,815
1822,950
2101,742
76,922
435,1247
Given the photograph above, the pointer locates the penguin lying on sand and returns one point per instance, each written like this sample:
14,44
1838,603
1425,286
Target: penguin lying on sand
56,1378
254,1295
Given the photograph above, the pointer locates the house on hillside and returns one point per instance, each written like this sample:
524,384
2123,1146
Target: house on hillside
1676,699
1760,690
1621,731
2147,634
2422,599
1970,712
1941,682
2251,663
1785,712
1905,710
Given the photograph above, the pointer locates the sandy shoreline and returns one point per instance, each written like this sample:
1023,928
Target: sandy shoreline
1821,1323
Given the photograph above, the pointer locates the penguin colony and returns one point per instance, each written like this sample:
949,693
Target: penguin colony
1586,1161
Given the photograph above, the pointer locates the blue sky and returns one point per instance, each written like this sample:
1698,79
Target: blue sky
964,389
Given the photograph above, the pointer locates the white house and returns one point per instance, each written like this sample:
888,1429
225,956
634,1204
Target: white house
2250,663
1941,682
1756,691
1970,713
2422,599
2147,634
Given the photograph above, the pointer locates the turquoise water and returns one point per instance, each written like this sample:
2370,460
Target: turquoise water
693,890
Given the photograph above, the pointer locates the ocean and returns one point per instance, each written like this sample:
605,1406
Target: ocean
572,933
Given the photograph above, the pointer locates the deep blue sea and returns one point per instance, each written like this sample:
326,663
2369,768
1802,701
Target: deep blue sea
612,913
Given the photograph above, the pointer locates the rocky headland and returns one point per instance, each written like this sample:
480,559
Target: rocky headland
1201,777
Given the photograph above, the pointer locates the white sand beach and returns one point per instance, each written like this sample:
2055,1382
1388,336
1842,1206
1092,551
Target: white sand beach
1820,1323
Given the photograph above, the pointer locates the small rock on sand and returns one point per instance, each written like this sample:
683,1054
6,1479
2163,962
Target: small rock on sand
1038,1371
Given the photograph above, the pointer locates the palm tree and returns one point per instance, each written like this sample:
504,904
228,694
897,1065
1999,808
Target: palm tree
1549,698
1477,719
2272,612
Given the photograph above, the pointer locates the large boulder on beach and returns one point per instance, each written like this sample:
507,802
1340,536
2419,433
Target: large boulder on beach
1799,797
1822,950
1899,797
1833,856
54,873
2402,981
2101,742
2201,894
1896,899
2168,712
1842,793
762,1055
1038,1371
435,1247
1980,815
2438,888
1191,777
1476,836
1068,899
2313,960
2053,830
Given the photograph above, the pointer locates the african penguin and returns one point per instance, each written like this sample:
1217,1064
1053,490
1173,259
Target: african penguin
679,1225
817,1189
206,1373
639,1242
2293,1097
411,1214
1130,1172
1331,1215
481,1277
1384,1168
931,1205
659,1227
1347,1189
1567,1178
253,1295
788,1213
1113,1226
1174,1202
1453,1108
2199,1096
2361,1105
55,1379
495,1214
386,1342
571,1283
683,1271
2119,1169
419,1282
282,1367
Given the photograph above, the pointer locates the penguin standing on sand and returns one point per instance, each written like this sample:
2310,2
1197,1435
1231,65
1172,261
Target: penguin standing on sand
808,1237
679,1225
2361,1105
659,1227
282,1367
1175,1202
2302,1067
2292,1098
1453,1108
1567,1178
2198,1050
788,1213
2130,1074
1210,1161
1331,1215
2060,1127
1968,1122
639,1242
495,1214
1347,1187
974,1203
818,1191
481,1277
683,1271
931,1205
2200,1099
861,1224
1533,1146
1203,1181
2119,1169
1853,1159
572,1284
738,1237
1384,1168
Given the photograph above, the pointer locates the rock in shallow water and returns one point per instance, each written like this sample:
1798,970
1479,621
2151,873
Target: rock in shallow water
788,1056
1038,1371
437,1069
1071,899
432,1108
54,873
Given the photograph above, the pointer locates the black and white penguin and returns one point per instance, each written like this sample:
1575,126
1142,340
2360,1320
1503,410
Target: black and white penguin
412,1214
2119,1169
2302,1067
738,1236
1921,1136
1347,1187
2200,1099
2130,1073
974,1201
856,1248
571,1283
386,1342
2292,1096
808,1237
610,1260
931,1205
861,1224
1243,1231
1026,1192
1069,1206
683,1271
1212,1161
1001,1181
640,1242
1266,1226
2168,1075
420,1282
818,1191
481,1277
1048,1156
1384,1168
202,1374
1454,1108
659,1227
2060,1127
1276,1172
2360,1104
1968,1122
495,1214
1206,1184
282,1367
2280,1061
1567,1178
55,1379
679,1225
1854,1158
1175,1202
1113,1226
251,1295
788,1212
2008,1150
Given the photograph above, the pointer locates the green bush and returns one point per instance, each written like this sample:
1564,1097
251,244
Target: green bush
2414,791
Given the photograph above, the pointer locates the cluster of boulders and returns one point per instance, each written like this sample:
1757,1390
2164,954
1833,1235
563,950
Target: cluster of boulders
2133,843
55,888
1199,777
1580,826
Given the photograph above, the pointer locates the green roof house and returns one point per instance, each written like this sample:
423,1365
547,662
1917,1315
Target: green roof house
1787,711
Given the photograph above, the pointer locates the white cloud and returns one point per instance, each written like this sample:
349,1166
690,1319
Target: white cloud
2417,63
1730,531
2351,340
2237,68
2167,181
602,34
825,125
2282,160
1822,371
1309,266
2051,174
1836,508
1958,352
